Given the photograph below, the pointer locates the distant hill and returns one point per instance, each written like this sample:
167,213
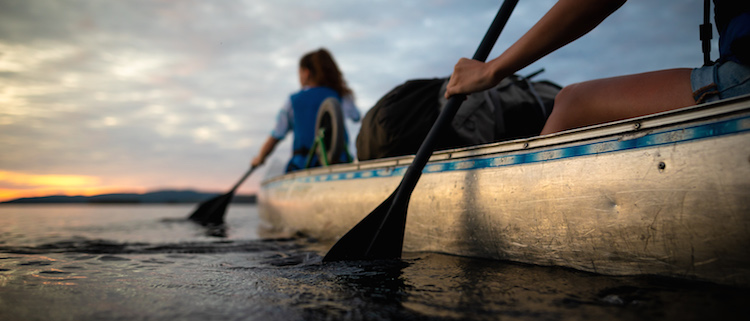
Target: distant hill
171,197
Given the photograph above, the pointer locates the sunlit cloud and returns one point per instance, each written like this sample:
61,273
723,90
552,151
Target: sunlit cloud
22,58
46,180
134,65
110,121
228,123
203,134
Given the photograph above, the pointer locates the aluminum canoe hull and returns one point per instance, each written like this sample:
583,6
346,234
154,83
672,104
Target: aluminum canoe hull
665,194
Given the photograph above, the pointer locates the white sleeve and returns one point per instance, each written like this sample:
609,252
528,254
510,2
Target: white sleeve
349,109
284,121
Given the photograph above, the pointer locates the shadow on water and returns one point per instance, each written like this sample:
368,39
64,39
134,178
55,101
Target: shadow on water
215,230
210,230
285,279
88,246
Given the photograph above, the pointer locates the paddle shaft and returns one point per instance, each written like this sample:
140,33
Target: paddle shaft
414,172
451,108
249,171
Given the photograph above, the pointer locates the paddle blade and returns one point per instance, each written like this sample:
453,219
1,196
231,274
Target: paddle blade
383,227
211,212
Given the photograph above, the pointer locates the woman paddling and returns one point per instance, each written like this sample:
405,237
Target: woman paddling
320,79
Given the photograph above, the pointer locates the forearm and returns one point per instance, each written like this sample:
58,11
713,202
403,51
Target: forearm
565,22
265,150
268,146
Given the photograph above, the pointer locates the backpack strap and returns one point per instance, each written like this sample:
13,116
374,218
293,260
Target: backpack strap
492,97
706,33
538,98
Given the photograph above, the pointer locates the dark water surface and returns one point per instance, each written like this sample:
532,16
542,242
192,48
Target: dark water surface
98,262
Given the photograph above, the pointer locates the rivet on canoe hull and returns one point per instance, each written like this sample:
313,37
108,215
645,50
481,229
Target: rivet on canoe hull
662,166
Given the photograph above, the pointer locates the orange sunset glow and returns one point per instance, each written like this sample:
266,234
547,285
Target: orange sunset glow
15,185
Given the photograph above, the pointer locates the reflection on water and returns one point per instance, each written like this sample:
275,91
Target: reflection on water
141,266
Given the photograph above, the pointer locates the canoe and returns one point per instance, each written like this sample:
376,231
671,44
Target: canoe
666,194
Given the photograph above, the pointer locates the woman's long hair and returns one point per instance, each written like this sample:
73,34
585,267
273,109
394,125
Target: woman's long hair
324,71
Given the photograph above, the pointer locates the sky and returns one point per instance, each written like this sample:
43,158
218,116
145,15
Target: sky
142,95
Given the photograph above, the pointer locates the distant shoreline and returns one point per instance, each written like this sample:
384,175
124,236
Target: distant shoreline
157,197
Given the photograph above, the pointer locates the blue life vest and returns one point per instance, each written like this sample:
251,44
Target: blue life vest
305,105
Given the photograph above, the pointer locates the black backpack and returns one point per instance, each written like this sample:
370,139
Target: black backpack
400,120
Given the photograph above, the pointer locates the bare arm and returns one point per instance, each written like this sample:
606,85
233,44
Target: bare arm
566,21
266,150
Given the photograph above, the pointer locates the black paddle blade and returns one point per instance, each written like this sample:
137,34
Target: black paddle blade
383,227
211,212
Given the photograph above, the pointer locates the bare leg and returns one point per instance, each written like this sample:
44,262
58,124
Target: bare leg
610,99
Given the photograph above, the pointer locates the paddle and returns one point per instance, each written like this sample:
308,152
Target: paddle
211,212
380,235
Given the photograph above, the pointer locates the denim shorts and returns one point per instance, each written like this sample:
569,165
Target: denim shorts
720,81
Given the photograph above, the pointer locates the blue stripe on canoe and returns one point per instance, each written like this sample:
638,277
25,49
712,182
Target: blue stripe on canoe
651,140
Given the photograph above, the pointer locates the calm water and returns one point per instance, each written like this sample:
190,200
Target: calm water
107,262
